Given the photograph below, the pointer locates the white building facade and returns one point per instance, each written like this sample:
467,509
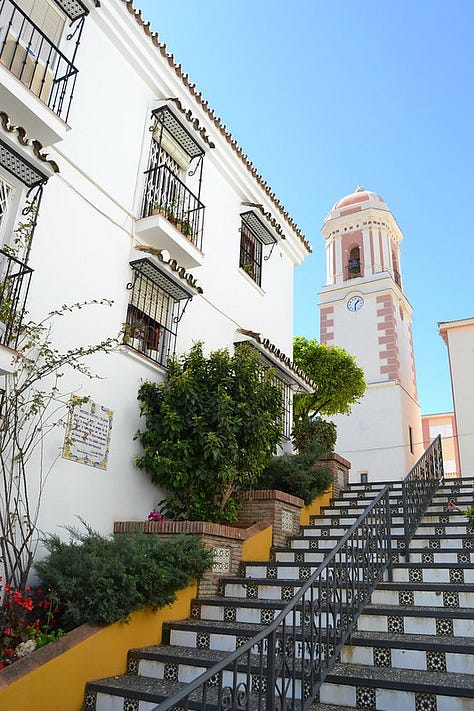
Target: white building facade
142,198
364,310
459,338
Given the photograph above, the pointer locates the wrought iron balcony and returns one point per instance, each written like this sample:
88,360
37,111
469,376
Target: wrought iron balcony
15,280
168,196
35,60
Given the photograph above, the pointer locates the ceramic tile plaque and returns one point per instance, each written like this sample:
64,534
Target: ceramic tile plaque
88,429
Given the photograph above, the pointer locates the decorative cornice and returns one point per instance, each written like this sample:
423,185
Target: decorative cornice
23,140
197,95
279,355
173,265
194,121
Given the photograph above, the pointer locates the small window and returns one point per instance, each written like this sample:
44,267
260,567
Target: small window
410,439
152,313
364,477
250,254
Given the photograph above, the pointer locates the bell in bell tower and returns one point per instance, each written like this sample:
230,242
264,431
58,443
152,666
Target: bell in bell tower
363,309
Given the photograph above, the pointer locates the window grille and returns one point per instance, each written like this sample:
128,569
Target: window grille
250,254
152,313
5,194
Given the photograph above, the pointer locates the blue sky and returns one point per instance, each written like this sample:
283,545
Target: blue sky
325,95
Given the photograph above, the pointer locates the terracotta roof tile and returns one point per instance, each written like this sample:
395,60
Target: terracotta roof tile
197,95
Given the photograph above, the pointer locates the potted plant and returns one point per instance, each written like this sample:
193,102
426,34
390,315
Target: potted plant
158,208
187,230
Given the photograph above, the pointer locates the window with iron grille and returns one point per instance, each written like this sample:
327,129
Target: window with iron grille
286,419
250,254
152,313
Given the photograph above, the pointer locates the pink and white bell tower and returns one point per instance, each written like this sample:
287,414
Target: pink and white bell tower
363,309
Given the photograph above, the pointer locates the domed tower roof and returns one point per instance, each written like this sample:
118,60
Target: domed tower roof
356,201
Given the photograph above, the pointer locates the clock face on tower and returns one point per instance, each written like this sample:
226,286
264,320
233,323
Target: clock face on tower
355,303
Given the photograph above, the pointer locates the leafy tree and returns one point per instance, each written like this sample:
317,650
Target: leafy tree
212,426
339,381
314,435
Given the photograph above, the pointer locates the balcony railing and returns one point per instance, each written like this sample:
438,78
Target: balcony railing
167,195
28,53
15,280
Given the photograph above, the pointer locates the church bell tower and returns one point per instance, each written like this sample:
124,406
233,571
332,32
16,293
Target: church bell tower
364,310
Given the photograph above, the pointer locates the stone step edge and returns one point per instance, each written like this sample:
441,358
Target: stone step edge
438,683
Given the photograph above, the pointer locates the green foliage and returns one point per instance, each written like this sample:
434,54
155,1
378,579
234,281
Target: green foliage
297,474
103,580
314,435
212,426
340,381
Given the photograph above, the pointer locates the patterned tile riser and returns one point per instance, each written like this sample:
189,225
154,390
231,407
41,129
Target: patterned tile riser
408,659
423,597
417,625
387,700
434,575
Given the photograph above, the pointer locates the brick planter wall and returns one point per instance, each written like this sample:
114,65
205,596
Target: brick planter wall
339,468
282,510
225,541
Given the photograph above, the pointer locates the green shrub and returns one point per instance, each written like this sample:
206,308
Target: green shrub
211,427
316,436
297,474
103,580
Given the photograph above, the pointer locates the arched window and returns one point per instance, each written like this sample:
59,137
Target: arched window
396,271
354,263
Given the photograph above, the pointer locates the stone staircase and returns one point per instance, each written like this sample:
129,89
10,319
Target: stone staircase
413,646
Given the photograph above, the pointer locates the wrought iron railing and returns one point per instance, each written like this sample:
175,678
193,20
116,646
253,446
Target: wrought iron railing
35,60
283,666
15,280
418,488
167,195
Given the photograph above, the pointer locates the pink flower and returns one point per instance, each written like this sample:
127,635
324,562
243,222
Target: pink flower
155,516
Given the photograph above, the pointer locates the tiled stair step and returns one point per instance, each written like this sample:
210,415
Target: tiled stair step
264,588
257,611
389,690
410,651
439,621
300,571
353,512
205,634
445,541
456,527
288,570
432,594
426,573
346,521
149,692
445,555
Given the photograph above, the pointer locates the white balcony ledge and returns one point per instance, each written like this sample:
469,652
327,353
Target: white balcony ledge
160,233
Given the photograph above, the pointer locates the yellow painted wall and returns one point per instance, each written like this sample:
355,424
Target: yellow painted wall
258,547
58,685
314,508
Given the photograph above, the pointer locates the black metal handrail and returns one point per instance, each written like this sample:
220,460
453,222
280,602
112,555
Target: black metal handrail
167,195
15,280
283,666
28,53
418,488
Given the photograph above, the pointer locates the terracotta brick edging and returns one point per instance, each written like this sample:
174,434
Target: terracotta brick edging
281,509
